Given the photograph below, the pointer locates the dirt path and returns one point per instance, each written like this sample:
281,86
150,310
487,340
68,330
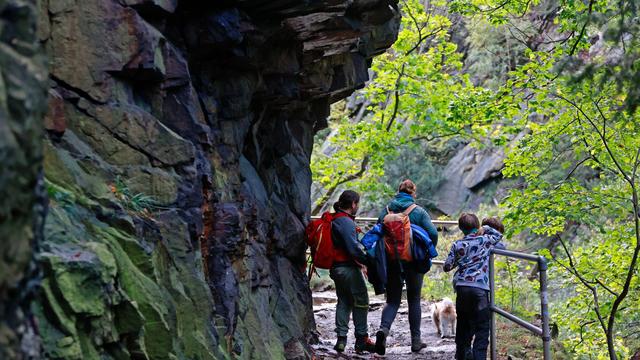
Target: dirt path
398,342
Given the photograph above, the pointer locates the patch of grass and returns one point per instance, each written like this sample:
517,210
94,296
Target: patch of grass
437,283
516,342
135,202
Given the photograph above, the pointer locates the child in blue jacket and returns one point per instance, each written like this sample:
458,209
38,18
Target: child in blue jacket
470,256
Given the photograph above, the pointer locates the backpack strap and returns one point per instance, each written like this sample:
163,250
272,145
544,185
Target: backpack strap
339,214
410,209
389,211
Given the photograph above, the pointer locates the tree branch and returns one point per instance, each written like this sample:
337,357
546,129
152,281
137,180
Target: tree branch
332,189
584,27
396,103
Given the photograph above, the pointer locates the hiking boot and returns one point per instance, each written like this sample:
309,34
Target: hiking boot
381,341
341,344
417,344
364,344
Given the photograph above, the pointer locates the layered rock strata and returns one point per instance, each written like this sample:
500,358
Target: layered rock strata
177,165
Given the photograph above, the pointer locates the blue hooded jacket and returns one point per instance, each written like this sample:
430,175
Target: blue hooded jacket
423,249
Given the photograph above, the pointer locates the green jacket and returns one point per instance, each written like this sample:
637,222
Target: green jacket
419,216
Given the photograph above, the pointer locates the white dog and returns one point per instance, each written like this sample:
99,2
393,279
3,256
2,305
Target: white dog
444,317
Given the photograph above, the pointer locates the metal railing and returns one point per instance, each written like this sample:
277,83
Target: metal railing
366,223
543,332
374,220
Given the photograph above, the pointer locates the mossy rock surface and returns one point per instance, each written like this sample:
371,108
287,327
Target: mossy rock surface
101,300
176,160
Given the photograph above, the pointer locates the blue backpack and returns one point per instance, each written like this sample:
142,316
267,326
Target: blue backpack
371,238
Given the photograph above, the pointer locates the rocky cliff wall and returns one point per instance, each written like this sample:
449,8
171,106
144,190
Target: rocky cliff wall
23,82
177,166
470,179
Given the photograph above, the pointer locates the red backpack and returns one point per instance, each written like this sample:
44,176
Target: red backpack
397,234
318,237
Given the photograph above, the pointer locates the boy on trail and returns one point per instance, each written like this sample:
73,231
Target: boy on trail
399,272
471,256
350,285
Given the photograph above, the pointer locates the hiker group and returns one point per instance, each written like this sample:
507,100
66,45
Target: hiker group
397,252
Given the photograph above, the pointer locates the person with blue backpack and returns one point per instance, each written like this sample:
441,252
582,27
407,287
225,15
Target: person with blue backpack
403,219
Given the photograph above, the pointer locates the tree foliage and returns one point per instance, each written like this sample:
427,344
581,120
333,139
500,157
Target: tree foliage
555,83
418,94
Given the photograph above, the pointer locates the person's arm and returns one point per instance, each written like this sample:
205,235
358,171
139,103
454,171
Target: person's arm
492,234
451,262
346,229
425,223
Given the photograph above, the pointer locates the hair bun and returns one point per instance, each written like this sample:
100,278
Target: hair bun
407,186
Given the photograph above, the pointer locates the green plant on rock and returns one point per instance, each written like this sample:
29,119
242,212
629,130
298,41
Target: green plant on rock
135,202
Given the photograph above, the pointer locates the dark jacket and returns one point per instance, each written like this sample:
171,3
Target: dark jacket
419,216
379,268
344,236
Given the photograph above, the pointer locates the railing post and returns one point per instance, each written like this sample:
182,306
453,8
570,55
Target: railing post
544,308
492,304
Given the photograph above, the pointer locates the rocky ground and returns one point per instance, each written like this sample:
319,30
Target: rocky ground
398,342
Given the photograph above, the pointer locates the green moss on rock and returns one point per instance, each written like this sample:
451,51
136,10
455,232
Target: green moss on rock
107,294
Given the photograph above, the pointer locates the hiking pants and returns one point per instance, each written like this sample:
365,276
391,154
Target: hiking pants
351,290
395,281
474,322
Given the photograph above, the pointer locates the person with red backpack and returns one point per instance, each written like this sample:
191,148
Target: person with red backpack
397,218
346,273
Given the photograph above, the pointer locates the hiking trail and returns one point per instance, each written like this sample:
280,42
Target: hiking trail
398,341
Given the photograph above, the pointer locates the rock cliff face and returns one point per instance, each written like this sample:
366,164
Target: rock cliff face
466,178
23,82
177,166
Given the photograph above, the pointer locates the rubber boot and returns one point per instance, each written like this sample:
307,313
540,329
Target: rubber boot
417,344
381,341
341,344
364,344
